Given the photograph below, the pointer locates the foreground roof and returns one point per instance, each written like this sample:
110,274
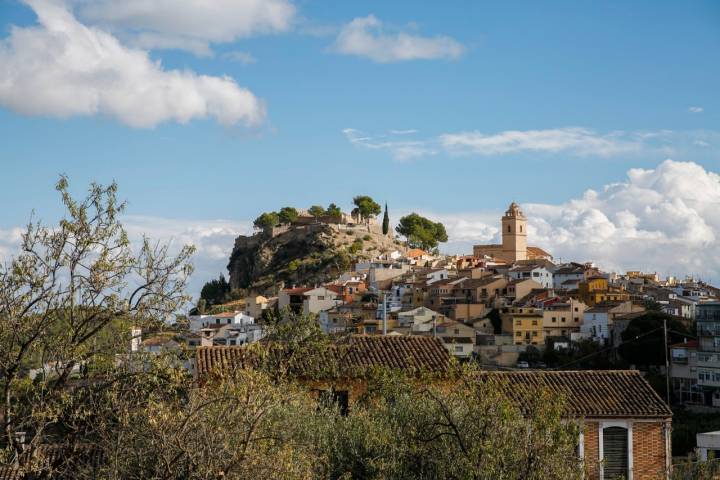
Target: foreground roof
587,393
351,358
10,472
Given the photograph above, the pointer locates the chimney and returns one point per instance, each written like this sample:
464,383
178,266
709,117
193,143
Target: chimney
135,338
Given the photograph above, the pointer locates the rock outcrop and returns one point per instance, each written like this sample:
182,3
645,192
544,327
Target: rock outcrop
302,255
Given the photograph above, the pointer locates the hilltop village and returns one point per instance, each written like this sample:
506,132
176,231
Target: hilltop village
506,306
335,341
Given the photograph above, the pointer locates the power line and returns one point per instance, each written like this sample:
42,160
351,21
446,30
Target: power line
607,349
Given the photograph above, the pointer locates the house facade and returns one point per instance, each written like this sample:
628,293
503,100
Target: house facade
625,425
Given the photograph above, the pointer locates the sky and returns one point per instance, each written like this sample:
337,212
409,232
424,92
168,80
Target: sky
602,119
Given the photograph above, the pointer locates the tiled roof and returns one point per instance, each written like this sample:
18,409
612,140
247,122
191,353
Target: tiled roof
537,252
225,314
415,252
587,393
9,472
350,359
297,291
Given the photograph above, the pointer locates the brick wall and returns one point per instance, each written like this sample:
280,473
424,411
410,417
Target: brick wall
648,450
592,450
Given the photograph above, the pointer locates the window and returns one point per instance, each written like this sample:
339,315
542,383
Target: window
508,228
518,322
457,331
520,228
518,334
615,452
458,348
554,319
534,333
321,297
534,322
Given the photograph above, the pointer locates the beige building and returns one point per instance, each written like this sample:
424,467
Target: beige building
563,318
514,245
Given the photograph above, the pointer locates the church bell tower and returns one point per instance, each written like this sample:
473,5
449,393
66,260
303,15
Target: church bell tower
514,234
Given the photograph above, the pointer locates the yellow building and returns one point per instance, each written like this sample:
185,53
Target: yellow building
524,324
514,245
596,290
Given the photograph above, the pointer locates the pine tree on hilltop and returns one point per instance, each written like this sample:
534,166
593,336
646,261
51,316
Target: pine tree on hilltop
386,221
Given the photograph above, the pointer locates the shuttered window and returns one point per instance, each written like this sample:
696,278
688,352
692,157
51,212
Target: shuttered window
615,451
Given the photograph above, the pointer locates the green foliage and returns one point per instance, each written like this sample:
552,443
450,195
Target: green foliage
421,232
333,211
267,220
386,222
316,211
531,354
215,292
495,320
421,430
288,215
367,238
67,304
649,349
366,206
356,246
585,355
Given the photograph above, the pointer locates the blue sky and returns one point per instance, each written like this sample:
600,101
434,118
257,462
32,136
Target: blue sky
590,91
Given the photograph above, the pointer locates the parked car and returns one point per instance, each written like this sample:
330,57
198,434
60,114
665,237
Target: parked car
539,365
523,365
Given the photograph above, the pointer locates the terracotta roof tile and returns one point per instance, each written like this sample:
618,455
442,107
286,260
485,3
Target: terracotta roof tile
10,472
352,359
588,393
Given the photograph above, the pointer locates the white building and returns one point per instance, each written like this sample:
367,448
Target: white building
230,334
540,274
320,299
420,319
198,322
596,325
567,276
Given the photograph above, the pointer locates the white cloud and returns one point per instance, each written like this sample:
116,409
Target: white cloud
400,149
245,58
213,240
62,68
571,141
696,109
576,140
365,37
664,219
190,24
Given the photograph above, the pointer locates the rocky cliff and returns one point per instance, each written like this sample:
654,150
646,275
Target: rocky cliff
302,255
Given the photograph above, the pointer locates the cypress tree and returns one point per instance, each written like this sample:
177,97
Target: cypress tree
386,221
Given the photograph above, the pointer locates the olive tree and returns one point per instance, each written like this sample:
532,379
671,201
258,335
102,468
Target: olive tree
67,302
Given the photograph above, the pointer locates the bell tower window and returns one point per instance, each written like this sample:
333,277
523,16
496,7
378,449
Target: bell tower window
508,228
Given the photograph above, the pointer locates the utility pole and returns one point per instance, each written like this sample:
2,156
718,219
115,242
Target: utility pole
667,365
384,313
